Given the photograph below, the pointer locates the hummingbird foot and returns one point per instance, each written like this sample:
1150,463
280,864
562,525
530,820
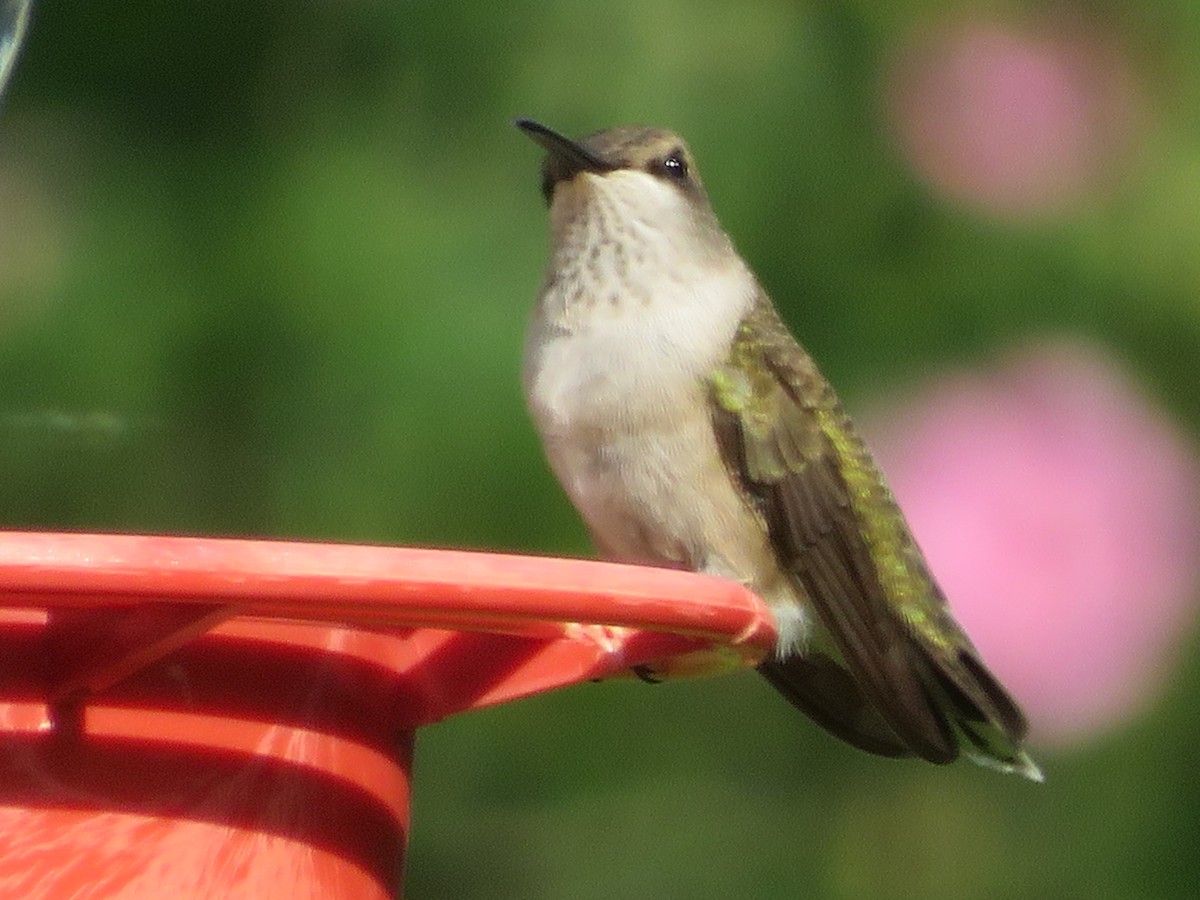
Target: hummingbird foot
647,674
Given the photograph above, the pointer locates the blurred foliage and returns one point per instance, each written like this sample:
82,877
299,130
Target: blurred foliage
265,268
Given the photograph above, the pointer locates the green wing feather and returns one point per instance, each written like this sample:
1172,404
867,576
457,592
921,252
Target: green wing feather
913,683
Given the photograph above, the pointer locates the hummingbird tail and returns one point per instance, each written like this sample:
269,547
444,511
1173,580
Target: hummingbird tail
823,690
965,705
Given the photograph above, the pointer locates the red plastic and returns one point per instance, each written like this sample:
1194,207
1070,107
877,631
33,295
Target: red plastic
193,717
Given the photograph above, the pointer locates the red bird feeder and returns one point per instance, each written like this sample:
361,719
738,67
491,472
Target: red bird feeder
185,717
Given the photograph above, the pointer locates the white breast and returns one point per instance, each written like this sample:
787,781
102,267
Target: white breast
635,309
628,361
629,326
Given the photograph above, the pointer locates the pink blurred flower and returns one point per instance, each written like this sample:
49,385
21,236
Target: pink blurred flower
1017,120
1060,511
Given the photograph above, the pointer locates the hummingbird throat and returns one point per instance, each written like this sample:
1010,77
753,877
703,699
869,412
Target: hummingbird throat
624,239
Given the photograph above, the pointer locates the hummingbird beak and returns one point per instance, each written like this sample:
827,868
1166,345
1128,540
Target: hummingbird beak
569,158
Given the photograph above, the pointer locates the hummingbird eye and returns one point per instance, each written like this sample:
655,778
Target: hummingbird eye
673,166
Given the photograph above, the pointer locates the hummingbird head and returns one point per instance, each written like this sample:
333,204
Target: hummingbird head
656,152
631,196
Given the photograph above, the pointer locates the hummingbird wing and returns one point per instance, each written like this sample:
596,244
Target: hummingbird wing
837,530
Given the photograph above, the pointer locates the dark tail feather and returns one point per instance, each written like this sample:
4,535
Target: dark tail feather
979,718
825,692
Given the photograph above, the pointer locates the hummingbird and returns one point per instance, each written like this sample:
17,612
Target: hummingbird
691,430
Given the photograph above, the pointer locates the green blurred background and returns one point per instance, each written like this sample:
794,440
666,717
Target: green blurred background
265,269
